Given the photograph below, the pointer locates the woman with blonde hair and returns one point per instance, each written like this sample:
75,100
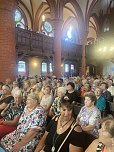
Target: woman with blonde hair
105,142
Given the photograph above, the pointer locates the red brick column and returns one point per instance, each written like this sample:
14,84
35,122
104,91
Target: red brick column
84,42
7,40
57,47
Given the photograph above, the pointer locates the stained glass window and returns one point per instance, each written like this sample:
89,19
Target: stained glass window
47,29
19,19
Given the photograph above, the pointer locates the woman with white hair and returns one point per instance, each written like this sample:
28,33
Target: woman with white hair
55,108
11,114
30,128
15,88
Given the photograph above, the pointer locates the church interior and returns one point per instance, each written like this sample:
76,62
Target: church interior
56,76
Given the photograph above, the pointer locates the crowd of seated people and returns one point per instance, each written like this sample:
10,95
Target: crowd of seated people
41,115
11,114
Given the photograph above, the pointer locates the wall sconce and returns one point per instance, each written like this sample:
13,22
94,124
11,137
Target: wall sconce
35,64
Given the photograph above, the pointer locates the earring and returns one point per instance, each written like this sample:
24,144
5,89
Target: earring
112,141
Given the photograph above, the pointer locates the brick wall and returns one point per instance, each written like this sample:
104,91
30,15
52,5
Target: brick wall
7,40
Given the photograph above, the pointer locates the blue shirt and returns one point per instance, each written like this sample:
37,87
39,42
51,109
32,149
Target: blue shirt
101,103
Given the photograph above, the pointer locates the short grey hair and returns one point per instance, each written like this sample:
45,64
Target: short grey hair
33,96
62,90
18,93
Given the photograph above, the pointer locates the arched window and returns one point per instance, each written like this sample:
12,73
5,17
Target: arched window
47,29
21,66
72,67
66,67
44,67
19,20
70,34
50,67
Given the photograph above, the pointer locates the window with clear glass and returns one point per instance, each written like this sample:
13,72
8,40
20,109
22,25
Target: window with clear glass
19,19
72,67
21,66
69,33
66,68
44,67
50,67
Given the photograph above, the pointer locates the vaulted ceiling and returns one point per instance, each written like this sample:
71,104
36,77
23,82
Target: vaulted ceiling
80,10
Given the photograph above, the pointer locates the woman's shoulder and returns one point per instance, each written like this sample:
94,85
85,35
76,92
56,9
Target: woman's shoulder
56,117
93,146
39,108
95,142
83,109
96,110
78,128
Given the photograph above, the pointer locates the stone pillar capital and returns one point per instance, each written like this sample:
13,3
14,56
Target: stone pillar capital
57,23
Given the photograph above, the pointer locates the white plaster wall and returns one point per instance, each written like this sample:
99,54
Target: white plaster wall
108,68
34,66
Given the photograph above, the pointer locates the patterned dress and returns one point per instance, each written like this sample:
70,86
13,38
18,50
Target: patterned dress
90,117
13,111
36,119
56,106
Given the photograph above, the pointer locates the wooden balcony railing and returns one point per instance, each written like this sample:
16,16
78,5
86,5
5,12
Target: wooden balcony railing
33,43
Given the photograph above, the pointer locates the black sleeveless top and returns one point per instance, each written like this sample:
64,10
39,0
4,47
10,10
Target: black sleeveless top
75,138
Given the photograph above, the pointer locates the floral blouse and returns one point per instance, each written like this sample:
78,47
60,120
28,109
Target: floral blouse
56,106
14,111
36,119
90,117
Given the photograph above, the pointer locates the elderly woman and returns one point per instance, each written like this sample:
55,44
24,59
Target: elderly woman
61,134
6,98
11,114
30,128
55,108
47,99
105,142
89,116
26,89
15,88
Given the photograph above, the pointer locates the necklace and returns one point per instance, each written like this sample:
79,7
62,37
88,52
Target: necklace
62,126
54,141
60,130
